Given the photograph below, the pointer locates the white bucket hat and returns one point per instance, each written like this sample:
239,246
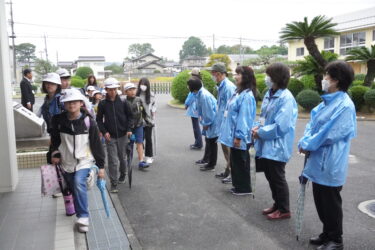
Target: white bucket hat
52,77
111,83
72,95
96,92
91,88
129,85
63,72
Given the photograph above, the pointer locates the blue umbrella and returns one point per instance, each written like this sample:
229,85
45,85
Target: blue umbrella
101,184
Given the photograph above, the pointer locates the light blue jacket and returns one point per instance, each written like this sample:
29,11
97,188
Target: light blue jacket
226,90
191,105
239,119
279,113
207,109
327,137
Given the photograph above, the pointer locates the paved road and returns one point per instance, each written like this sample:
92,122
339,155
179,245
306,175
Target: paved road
175,206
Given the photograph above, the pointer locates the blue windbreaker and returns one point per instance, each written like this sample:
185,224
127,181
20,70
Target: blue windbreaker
239,119
279,113
226,90
327,137
207,108
191,105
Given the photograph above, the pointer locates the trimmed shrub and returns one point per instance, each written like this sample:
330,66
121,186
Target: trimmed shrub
295,86
357,83
263,93
84,72
359,77
179,85
308,99
369,98
77,81
373,85
358,93
350,94
35,88
260,82
308,82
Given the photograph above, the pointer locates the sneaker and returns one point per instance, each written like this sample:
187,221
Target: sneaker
222,175
149,160
207,168
83,229
83,221
227,180
238,193
143,165
122,179
200,162
193,147
232,190
57,195
114,189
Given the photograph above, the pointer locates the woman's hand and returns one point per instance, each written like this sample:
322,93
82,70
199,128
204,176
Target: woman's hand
302,151
205,127
237,143
55,161
101,173
255,133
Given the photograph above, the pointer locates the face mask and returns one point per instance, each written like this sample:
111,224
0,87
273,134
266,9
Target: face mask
268,82
325,85
214,78
143,88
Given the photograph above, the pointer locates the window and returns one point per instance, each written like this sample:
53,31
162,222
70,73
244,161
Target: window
373,35
352,40
329,44
300,51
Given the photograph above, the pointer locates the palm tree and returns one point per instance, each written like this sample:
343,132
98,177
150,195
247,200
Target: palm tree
320,26
366,55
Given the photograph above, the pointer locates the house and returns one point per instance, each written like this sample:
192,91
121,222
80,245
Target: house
172,67
191,62
96,63
356,29
145,64
237,59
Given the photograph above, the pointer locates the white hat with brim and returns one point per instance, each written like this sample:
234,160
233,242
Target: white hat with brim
129,85
111,83
72,95
91,88
52,78
96,92
63,73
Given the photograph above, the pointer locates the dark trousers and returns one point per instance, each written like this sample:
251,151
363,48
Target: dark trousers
197,132
148,141
275,175
210,152
329,207
240,166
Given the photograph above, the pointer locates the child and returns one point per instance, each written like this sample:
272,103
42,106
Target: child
96,98
75,145
140,118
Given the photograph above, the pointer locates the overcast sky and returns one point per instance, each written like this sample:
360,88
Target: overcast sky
165,24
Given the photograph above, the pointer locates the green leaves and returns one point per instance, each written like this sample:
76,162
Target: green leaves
194,46
361,54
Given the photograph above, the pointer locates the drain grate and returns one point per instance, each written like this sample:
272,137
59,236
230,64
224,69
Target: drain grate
368,207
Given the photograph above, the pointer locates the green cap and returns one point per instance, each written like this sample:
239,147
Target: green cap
219,67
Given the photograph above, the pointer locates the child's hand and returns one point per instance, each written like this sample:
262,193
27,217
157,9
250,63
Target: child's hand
101,173
107,136
129,134
237,143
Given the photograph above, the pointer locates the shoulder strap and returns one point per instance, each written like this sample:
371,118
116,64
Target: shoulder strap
87,122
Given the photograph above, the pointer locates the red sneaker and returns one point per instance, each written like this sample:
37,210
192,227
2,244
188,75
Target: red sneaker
269,210
277,215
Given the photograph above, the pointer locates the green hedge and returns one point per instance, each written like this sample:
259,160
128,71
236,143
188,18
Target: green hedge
358,93
84,72
179,85
369,98
308,99
359,77
260,82
295,86
308,81
77,81
357,83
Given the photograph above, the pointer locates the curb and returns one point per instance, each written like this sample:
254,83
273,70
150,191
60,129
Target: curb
174,105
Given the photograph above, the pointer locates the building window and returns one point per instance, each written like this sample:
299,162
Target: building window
329,44
373,35
351,41
300,51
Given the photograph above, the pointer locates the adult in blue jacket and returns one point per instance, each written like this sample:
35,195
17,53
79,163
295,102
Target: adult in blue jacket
225,90
274,137
236,129
207,108
191,107
326,143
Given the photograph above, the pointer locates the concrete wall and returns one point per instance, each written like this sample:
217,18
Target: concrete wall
8,164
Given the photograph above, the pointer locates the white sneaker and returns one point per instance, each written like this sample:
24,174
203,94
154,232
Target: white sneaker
149,160
83,229
83,221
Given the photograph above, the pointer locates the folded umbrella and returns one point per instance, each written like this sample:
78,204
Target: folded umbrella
301,202
101,184
252,170
129,151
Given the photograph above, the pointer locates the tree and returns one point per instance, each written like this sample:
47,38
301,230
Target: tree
43,67
116,69
216,58
84,72
25,52
310,66
367,56
320,26
194,46
235,49
139,49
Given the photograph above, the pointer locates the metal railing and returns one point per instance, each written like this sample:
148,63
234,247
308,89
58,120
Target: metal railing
161,87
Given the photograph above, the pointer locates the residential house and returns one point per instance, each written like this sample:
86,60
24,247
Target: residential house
96,63
191,62
356,29
145,64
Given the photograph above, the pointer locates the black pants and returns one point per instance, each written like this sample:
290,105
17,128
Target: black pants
148,141
240,166
329,206
197,132
275,174
210,152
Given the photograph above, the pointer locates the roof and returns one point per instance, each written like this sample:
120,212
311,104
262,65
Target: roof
238,58
91,59
65,63
355,20
143,56
150,63
195,58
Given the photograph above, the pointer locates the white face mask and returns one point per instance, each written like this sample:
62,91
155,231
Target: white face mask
325,85
268,82
214,78
143,88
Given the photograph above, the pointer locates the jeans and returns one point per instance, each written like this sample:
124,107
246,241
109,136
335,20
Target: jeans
240,163
197,132
210,152
116,151
77,183
148,141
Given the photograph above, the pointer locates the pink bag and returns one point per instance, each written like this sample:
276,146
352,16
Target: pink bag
50,184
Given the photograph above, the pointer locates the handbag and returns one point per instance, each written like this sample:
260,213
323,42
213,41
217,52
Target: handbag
50,183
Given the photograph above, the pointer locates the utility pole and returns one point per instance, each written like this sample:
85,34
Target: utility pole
13,36
45,47
213,44
57,58
241,58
